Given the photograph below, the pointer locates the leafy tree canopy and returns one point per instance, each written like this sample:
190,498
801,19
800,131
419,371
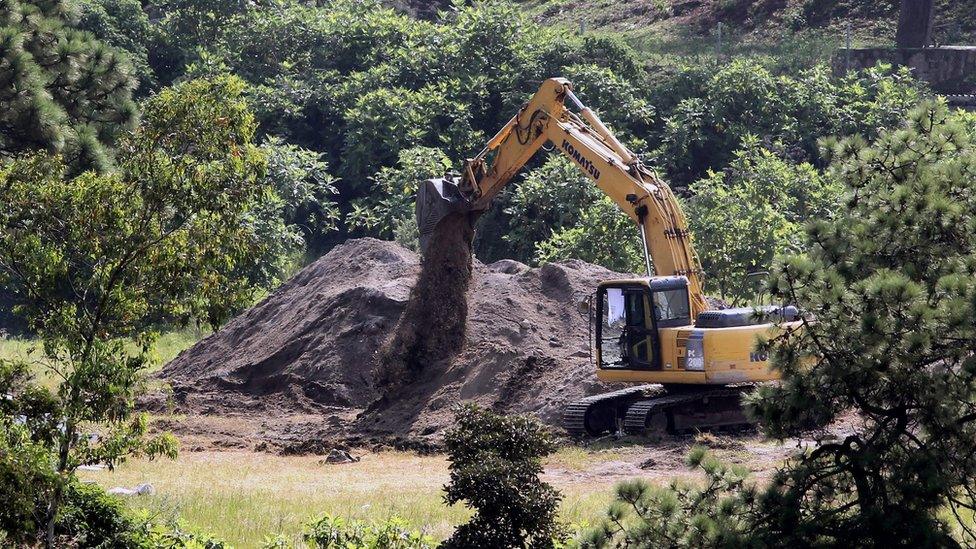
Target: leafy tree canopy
751,212
93,260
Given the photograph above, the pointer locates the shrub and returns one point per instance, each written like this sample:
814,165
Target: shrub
331,532
495,463
549,199
93,518
710,514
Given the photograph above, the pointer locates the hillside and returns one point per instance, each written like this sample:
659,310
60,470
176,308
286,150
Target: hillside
645,22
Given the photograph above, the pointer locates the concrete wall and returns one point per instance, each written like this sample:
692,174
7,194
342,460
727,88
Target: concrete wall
948,69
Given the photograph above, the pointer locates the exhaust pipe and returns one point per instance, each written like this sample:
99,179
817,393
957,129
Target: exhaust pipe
436,199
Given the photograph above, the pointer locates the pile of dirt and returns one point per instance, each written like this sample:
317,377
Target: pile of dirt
313,348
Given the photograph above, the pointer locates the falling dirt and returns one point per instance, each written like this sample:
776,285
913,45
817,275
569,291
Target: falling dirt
305,363
433,325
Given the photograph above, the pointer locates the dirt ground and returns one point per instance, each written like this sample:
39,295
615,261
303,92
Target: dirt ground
301,366
297,373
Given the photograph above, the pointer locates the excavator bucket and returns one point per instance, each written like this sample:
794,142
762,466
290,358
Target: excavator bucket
437,198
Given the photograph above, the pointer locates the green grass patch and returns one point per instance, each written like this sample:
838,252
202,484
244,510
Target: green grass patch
242,497
168,346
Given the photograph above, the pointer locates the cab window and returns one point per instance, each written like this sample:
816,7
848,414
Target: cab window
671,307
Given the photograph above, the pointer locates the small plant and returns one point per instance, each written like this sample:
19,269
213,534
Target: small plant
495,468
331,532
711,514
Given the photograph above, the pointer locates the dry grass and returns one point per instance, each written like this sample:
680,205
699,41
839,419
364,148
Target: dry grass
242,497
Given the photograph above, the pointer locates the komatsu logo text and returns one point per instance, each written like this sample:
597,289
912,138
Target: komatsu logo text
582,160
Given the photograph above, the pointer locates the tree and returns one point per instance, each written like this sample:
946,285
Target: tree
62,91
888,290
715,513
604,235
890,332
751,212
495,467
550,198
124,25
94,259
563,215
300,213
707,112
389,211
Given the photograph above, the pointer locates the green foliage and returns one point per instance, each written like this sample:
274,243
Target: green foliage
91,518
560,214
61,90
707,112
388,211
752,211
495,463
299,212
302,181
95,259
185,32
124,25
26,470
603,235
383,122
710,514
151,534
331,532
552,197
890,282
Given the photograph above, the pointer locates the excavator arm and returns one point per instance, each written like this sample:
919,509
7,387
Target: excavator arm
585,140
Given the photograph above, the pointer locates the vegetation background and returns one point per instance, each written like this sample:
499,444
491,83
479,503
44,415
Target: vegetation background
164,163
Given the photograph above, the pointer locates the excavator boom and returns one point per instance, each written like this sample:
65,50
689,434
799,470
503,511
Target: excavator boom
584,139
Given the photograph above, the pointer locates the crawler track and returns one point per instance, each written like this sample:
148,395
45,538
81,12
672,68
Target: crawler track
588,416
651,408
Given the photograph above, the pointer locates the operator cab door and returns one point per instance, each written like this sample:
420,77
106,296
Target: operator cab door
626,333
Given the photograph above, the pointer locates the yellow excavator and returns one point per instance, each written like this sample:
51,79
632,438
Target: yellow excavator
693,363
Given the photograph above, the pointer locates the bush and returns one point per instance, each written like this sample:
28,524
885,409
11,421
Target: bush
93,518
495,463
26,473
331,532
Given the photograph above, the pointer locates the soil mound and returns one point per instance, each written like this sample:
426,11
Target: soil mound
315,346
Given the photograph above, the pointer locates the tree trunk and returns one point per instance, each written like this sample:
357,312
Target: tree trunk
915,24
55,504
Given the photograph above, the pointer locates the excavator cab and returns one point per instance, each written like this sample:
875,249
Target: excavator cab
628,315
